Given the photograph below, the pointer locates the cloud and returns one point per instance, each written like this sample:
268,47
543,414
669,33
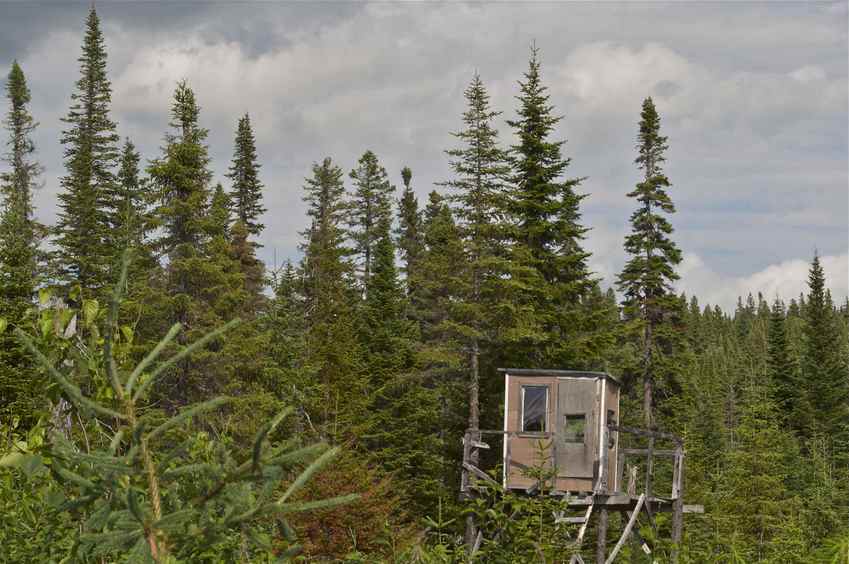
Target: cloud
785,280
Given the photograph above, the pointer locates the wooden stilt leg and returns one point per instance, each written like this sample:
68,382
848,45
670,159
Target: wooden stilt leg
601,537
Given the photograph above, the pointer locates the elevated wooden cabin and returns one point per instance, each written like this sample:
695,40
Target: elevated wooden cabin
568,413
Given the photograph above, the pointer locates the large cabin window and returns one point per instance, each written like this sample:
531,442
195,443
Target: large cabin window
534,408
574,427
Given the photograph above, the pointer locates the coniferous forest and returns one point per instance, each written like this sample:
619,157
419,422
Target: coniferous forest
165,396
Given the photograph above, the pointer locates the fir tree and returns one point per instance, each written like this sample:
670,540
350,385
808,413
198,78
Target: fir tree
544,205
780,369
332,348
387,333
409,229
181,188
824,368
480,167
130,220
647,278
90,190
19,239
549,278
244,173
369,205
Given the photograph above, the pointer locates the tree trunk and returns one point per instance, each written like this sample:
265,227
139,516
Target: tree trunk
474,424
648,377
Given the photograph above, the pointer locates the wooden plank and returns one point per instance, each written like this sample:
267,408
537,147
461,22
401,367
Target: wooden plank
643,451
583,530
627,531
693,509
649,479
464,475
479,473
477,444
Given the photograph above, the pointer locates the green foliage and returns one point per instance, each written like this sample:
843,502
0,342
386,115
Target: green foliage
369,206
158,493
410,244
90,190
244,174
20,235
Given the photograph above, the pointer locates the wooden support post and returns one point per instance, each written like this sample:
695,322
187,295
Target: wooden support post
471,528
678,505
601,536
627,532
649,479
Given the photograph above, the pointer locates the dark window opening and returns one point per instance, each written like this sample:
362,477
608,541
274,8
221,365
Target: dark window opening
611,420
574,427
534,406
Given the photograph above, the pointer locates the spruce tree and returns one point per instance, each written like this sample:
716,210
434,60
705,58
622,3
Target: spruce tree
387,333
647,278
409,229
129,221
332,348
545,206
85,252
824,368
180,180
479,167
246,191
782,373
549,277
19,240
370,203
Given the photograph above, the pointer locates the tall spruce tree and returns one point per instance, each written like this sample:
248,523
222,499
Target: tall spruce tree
85,249
549,270
370,203
246,191
479,169
331,344
19,239
647,278
545,206
181,179
824,367
409,229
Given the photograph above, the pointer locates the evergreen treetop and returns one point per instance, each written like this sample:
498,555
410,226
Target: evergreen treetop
545,206
19,240
90,193
409,228
246,191
370,203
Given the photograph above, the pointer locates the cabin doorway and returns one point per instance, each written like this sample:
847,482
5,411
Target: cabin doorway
575,434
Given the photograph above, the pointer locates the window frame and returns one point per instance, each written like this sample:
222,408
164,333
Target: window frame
545,425
566,439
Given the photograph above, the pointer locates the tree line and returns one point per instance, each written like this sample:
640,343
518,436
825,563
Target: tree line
385,336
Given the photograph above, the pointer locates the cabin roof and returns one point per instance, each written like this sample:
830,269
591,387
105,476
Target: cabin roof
555,372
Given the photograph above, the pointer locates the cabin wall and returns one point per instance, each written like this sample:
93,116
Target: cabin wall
521,450
612,401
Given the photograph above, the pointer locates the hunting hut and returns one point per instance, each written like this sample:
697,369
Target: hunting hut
558,420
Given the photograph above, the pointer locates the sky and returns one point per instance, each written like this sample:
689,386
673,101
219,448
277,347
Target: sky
754,98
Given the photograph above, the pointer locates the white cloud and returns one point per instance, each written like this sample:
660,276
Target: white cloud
785,280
